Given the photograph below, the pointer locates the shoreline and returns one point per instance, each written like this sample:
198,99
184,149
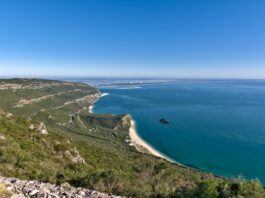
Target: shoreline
142,146
138,142
90,108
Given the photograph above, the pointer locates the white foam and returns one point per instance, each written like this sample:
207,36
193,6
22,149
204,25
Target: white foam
104,94
91,107
129,88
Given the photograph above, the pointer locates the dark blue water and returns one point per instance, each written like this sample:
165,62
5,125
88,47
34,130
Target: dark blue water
217,126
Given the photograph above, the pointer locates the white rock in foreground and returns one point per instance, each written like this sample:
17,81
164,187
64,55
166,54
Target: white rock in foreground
25,189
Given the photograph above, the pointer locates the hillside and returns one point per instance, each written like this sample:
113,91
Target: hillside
47,134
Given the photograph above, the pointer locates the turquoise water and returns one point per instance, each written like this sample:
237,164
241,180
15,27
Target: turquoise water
217,126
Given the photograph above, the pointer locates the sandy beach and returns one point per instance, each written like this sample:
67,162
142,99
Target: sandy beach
136,140
142,145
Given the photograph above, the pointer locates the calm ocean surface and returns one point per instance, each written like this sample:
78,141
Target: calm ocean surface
217,126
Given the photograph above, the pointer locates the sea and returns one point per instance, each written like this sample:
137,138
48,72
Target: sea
216,126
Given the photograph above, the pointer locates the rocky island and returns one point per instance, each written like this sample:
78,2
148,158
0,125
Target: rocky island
164,121
51,145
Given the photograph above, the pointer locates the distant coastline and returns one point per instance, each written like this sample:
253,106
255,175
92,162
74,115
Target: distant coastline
90,108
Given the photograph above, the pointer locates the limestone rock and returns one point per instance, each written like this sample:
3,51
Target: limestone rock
75,156
2,137
31,127
40,126
116,122
124,123
23,189
8,115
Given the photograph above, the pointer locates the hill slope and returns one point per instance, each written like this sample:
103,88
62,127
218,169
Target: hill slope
48,134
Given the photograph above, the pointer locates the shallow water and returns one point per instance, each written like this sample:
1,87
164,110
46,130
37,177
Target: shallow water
217,126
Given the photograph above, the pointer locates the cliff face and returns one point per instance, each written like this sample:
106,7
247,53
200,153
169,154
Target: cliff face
125,122
118,122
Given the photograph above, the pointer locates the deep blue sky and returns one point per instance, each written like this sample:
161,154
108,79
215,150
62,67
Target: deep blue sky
181,38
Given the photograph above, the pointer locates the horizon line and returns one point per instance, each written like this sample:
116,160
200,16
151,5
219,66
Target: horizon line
123,77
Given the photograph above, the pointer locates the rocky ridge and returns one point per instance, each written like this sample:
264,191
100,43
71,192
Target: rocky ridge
33,84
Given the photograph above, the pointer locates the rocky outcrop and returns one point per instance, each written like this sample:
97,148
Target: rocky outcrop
35,84
21,189
124,122
5,114
74,156
2,137
9,115
40,127
164,121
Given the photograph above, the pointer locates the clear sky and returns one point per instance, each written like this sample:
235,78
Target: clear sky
144,38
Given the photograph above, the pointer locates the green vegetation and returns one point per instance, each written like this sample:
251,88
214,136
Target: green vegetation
109,163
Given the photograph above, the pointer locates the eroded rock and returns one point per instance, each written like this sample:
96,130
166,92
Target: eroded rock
2,137
31,127
40,127
75,156
116,122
